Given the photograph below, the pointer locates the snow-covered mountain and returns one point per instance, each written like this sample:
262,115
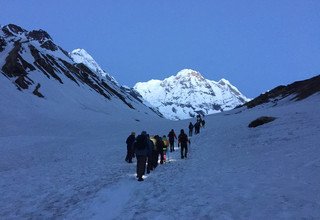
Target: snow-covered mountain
188,93
82,56
34,64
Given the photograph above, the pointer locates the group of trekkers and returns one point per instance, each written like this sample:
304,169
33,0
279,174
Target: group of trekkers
196,126
147,149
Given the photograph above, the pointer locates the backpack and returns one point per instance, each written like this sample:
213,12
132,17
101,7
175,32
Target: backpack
183,138
141,143
159,144
166,142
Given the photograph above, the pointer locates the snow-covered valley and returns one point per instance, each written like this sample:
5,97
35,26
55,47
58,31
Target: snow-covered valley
64,122
71,165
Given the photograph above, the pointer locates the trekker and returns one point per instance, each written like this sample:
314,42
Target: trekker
197,127
183,141
165,148
130,152
154,154
159,144
190,129
150,160
141,147
199,118
172,136
203,122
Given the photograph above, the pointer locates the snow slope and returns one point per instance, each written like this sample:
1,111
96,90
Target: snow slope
69,163
188,93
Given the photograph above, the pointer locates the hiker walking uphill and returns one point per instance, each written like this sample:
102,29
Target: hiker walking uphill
197,127
183,141
154,154
166,153
130,151
151,165
199,118
172,136
160,145
142,150
190,129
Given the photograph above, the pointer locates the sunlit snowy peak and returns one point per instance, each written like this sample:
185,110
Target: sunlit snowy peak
188,93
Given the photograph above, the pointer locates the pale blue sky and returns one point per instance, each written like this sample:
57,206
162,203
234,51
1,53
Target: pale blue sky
256,45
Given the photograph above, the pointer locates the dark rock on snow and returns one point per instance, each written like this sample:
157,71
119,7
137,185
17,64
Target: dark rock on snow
300,90
260,121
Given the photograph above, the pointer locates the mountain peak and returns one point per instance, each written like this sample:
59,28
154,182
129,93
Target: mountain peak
224,82
39,35
188,73
82,56
82,52
188,93
12,29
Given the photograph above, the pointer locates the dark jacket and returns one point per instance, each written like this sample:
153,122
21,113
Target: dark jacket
183,139
172,136
159,144
130,141
150,147
142,146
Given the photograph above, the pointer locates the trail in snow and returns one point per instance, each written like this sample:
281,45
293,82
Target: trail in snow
232,172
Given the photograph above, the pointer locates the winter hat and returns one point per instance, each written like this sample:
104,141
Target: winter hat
133,133
144,133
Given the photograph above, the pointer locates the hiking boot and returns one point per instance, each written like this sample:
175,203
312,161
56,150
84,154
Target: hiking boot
140,179
182,157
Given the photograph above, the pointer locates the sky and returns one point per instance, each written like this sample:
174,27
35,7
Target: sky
256,45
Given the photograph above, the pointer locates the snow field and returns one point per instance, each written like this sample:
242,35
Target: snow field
232,172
